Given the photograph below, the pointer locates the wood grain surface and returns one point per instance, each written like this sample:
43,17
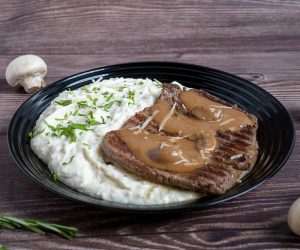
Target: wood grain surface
257,40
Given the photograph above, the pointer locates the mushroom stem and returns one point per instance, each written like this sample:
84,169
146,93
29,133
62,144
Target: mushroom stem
33,83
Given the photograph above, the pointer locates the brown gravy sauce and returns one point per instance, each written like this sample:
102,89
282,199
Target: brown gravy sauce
193,137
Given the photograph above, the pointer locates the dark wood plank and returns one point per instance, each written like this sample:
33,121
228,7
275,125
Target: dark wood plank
76,27
257,40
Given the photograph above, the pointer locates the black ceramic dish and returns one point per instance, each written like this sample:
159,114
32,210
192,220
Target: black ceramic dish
275,134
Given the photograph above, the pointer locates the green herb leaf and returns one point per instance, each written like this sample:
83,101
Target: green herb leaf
106,107
120,89
75,112
95,89
131,97
158,84
30,134
82,104
34,133
109,97
80,126
64,102
68,162
68,131
95,100
139,83
91,121
85,89
86,144
54,177
62,119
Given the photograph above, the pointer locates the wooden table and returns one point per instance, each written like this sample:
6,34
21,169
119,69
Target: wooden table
257,40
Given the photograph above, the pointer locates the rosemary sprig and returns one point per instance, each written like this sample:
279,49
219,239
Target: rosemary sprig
8,222
3,247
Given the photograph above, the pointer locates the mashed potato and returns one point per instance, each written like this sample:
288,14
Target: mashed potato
68,134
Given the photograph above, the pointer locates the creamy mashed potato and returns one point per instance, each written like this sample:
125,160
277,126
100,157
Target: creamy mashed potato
68,134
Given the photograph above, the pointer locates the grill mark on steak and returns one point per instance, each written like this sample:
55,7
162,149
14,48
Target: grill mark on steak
216,177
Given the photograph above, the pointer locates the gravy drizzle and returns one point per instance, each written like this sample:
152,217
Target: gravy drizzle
193,138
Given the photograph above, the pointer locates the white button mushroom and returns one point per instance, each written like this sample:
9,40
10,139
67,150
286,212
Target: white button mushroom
27,71
294,217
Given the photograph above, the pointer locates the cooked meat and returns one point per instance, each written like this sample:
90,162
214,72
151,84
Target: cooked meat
235,152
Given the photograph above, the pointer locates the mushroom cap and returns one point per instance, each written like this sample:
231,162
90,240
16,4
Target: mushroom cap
23,67
294,217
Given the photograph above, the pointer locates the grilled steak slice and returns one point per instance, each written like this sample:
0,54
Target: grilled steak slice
235,153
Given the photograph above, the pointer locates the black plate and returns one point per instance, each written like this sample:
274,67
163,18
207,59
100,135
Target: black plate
275,134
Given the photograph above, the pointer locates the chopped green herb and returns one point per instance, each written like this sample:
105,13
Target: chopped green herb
86,144
30,134
107,106
80,126
120,89
84,89
68,162
68,131
82,104
102,120
158,84
92,121
139,83
95,89
109,97
64,102
95,101
54,177
75,112
61,119
34,133
131,97
108,117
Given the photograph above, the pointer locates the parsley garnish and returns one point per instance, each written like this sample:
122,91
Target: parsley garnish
91,121
61,119
82,104
34,133
95,101
54,177
88,145
30,134
107,95
107,106
64,102
75,112
131,97
68,131
71,159
121,88
139,83
84,89
95,89
158,84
